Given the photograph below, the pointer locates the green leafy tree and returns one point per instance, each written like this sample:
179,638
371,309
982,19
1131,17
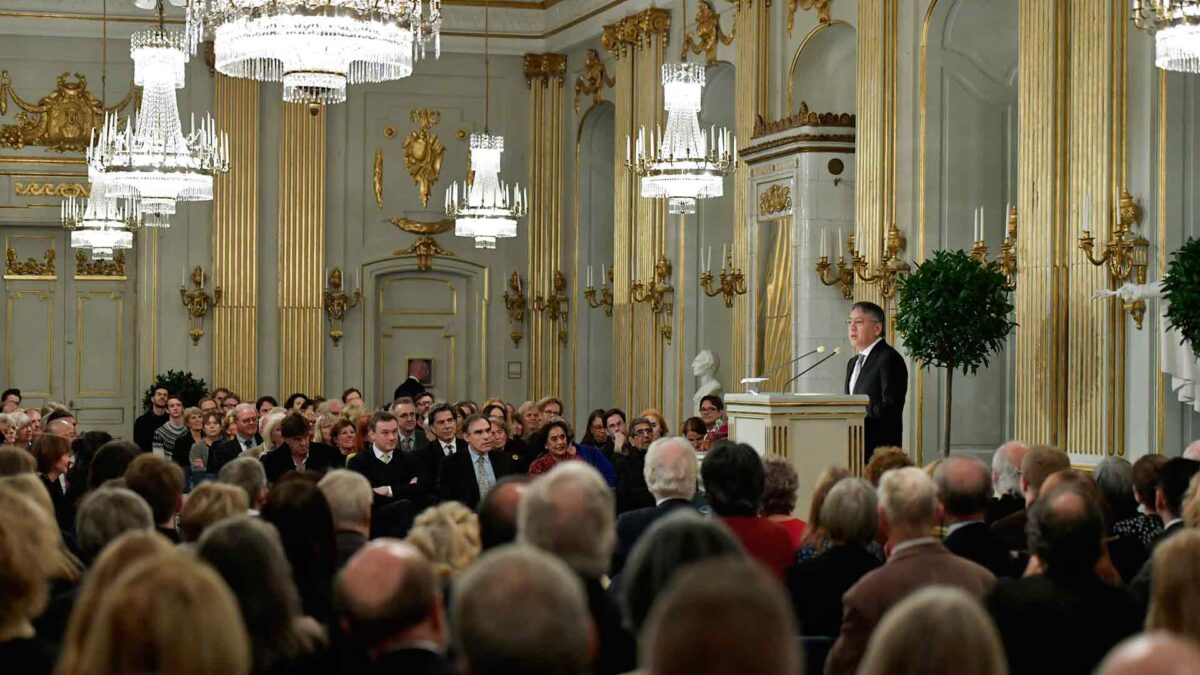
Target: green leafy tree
1181,288
186,385
953,312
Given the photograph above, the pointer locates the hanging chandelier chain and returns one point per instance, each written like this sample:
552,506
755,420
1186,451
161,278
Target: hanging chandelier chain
487,69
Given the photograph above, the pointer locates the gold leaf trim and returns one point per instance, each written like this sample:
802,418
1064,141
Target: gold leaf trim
708,34
775,199
544,68
804,118
30,267
593,80
99,268
636,30
61,121
51,189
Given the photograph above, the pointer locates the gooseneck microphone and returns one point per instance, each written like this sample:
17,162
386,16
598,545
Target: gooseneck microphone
836,351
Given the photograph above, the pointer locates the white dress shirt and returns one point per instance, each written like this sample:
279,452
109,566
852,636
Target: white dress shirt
859,361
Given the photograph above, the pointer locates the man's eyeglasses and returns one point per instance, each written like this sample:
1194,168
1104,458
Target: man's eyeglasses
859,322
642,432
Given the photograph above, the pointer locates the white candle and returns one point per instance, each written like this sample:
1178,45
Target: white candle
839,238
824,253
603,276
1087,215
982,220
589,276
723,256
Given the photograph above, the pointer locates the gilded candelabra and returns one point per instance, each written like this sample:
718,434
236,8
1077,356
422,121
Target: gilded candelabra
890,267
515,304
198,303
733,282
606,297
845,272
556,306
658,293
337,301
1124,254
1008,249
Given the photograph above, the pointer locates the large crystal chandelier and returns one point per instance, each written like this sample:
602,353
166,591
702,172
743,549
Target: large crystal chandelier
1175,25
682,163
101,223
484,207
316,47
152,159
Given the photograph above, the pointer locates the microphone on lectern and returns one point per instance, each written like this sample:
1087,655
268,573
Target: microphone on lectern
753,382
836,351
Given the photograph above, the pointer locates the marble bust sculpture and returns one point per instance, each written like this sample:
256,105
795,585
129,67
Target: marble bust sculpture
705,366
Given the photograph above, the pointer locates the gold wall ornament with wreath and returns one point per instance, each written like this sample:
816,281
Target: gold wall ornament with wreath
61,121
423,151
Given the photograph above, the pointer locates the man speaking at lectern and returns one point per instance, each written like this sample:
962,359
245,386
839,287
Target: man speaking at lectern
879,372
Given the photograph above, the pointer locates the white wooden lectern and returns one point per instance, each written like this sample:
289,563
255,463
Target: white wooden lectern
812,431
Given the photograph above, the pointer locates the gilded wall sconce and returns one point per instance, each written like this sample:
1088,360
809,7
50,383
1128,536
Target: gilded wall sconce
845,272
733,282
605,299
556,306
515,304
890,267
1008,249
1126,252
198,303
659,293
337,302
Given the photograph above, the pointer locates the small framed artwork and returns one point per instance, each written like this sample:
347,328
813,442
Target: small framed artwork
421,367
514,370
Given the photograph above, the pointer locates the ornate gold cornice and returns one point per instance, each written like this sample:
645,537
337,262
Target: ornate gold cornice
636,31
61,121
804,118
708,34
593,80
545,67
51,189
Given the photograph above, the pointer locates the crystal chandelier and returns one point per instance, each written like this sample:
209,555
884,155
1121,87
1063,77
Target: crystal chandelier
316,47
484,207
101,223
153,160
1175,25
683,163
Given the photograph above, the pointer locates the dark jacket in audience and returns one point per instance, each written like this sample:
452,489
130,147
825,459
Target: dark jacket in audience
398,474
1140,585
1061,626
320,458
28,656
817,586
1010,531
145,426
632,492
975,542
412,661
632,524
457,480
348,543
909,569
227,451
1002,506
616,651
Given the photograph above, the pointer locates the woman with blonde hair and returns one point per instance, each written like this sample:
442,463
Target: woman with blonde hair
658,424
268,428
448,535
936,631
27,550
209,504
1174,595
169,613
122,552
323,428
816,538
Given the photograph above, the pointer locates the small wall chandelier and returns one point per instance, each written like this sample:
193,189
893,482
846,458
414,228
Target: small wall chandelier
484,207
1175,25
316,47
682,163
100,224
153,160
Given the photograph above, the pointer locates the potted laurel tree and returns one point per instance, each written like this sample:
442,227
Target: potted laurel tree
185,385
1181,290
953,312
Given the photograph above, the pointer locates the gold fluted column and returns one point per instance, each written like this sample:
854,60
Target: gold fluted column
235,239
544,78
301,249
751,80
875,135
1041,115
638,44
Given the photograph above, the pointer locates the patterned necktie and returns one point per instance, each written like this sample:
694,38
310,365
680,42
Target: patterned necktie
407,445
385,457
862,359
481,476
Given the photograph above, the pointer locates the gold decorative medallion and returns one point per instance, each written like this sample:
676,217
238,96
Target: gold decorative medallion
708,34
61,121
99,268
425,248
423,151
593,80
775,199
51,189
30,267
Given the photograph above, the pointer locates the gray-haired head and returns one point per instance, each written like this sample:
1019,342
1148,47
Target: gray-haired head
248,474
850,512
106,513
671,468
570,513
349,496
1114,477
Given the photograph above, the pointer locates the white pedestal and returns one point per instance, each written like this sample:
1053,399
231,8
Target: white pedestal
812,431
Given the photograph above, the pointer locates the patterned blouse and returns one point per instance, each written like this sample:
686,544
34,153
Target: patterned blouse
548,461
1145,527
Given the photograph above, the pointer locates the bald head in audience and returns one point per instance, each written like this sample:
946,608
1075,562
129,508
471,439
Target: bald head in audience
721,616
570,512
388,595
964,488
521,610
1152,654
498,511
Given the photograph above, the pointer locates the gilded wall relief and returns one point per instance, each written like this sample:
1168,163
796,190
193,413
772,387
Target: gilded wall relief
30,267
36,189
425,248
775,199
593,80
636,30
822,7
544,67
708,34
99,268
377,177
61,121
423,151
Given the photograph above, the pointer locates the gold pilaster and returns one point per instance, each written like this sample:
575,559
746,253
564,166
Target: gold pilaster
301,248
544,77
235,239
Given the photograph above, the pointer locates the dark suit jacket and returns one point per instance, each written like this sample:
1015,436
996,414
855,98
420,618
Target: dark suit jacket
617,650
397,474
1140,586
906,571
321,458
632,492
409,387
817,586
1004,505
884,378
432,457
225,452
631,525
1061,626
412,661
976,543
456,477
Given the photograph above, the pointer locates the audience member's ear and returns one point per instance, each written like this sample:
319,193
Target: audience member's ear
1160,501
940,514
883,523
179,504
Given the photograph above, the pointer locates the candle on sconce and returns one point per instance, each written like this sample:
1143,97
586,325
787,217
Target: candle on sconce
589,276
824,252
982,224
723,254
839,240
1087,216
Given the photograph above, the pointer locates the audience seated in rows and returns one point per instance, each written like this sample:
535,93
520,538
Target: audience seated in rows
936,631
964,491
670,475
733,481
1037,465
